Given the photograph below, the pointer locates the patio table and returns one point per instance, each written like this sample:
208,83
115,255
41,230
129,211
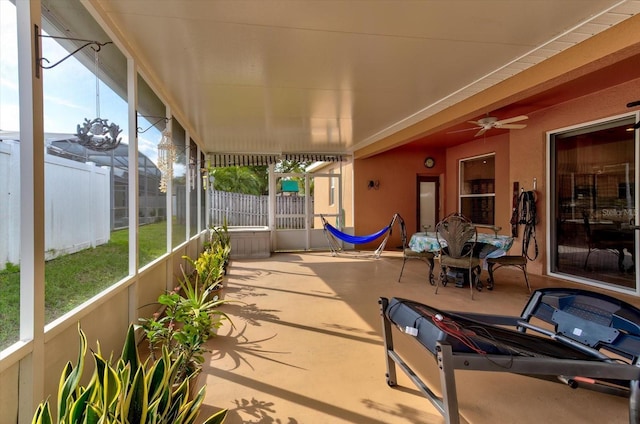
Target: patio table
427,241
487,245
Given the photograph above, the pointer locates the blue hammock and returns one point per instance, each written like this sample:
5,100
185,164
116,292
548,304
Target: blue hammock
333,235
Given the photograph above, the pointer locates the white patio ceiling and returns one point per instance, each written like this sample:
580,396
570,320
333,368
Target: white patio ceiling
334,76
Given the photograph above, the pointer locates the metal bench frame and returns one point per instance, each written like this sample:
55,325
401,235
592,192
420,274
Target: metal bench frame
600,368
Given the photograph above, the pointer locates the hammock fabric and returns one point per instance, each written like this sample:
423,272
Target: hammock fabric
333,235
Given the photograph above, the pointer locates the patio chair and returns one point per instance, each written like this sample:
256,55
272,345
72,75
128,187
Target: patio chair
614,240
518,261
407,253
457,238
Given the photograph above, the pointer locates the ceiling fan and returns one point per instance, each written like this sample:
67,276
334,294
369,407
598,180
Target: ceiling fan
485,124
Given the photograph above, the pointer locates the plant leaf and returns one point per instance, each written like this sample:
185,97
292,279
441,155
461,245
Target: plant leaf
191,413
43,414
67,388
217,418
109,382
78,411
158,377
130,349
136,402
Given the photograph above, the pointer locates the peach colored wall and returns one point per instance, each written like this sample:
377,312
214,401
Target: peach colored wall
521,156
397,171
499,145
321,192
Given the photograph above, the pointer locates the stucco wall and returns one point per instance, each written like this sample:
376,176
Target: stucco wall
521,156
397,172
321,192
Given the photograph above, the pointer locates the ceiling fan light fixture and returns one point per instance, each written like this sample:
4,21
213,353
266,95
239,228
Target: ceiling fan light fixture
489,122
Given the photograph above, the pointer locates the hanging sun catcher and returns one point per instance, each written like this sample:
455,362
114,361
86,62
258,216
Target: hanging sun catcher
166,157
97,134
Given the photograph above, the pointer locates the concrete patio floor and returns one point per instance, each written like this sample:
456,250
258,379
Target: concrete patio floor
307,348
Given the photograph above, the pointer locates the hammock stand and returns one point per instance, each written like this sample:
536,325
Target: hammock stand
334,236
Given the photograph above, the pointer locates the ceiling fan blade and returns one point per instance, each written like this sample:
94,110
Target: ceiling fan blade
464,130
482,131
514,119
512,126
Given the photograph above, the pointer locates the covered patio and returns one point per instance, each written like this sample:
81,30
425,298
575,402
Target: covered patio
307,347
396,90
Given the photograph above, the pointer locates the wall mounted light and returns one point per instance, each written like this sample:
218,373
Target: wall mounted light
373,184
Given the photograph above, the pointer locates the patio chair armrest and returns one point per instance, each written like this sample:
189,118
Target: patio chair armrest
493,228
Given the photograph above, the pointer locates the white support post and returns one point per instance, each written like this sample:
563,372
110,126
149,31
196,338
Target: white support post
32,320
272,206
134,191
169,203
199,199
187,183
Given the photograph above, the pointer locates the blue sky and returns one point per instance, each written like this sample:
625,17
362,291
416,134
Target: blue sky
69,90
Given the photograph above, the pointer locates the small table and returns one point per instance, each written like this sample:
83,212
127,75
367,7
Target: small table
428,241
618,240
487,246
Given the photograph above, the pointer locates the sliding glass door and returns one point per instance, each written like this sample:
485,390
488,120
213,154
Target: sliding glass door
594,195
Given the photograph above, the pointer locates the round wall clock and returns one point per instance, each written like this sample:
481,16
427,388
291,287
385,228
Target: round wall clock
429,162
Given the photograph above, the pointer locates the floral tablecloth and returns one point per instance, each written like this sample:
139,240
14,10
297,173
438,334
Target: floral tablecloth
421,242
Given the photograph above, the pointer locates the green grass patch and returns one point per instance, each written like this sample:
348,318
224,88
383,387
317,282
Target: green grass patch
72,279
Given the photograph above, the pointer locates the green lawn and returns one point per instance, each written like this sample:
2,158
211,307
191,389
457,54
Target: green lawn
74,278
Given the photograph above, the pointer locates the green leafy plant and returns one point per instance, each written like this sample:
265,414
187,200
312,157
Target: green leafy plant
221,240
219,235
189,319
209,267
125,391
218,244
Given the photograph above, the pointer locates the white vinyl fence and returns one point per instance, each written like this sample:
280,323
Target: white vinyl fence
77,205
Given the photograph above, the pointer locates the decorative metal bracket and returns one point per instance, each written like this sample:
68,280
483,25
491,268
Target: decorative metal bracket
95,45
159,118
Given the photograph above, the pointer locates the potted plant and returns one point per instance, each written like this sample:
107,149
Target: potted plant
209,269
220,240
189,319
220,234
125,390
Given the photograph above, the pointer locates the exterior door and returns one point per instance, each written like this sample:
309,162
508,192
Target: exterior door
428,203
298,200
594,192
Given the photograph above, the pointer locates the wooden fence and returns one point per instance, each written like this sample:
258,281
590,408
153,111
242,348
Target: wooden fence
247,210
